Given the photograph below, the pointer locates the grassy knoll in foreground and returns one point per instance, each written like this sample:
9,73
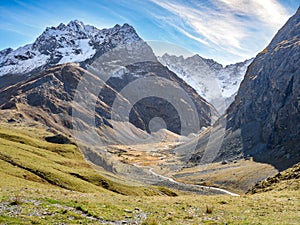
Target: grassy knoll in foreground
50,206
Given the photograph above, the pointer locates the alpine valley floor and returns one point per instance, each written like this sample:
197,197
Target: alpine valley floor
48,183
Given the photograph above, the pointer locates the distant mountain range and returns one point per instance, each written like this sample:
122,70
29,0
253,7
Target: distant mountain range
36,81
77,42
217,84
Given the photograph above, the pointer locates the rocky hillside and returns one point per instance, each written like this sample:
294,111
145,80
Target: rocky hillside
264,120
288,179
205,75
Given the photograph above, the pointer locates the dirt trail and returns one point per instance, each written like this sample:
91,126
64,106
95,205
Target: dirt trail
190,185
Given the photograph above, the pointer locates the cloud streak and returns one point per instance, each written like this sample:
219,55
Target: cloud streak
233,26
269,12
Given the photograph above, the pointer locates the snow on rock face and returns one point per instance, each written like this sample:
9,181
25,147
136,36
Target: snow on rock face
74,42
22,60
82,52
210,79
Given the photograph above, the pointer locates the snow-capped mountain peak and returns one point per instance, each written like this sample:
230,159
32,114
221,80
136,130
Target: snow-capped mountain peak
74,42
209,78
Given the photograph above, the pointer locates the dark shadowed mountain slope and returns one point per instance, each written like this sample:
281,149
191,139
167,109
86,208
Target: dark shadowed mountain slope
264,119
267,107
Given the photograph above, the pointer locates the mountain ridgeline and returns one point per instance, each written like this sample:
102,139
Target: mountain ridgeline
74,42
206,75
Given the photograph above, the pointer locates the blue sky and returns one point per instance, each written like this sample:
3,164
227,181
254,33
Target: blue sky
225,30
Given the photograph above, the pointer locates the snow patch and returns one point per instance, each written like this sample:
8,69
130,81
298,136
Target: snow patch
82,52
120,72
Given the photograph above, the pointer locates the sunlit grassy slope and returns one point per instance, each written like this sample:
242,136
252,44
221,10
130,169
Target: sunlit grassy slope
26,160
46,183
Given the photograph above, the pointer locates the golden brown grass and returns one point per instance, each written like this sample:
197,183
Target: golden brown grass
30,160
238,177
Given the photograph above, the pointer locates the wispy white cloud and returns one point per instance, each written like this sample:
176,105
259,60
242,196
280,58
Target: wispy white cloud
269,12
177,26
238,27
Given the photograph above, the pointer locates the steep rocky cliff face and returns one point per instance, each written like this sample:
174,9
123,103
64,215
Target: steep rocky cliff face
267,107
264,120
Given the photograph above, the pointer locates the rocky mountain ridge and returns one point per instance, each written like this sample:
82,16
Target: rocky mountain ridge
74,42
46,95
